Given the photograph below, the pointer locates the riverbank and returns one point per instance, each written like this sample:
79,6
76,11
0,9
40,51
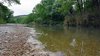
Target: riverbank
19,40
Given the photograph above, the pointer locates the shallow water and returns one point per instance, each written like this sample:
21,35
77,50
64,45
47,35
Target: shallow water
70,40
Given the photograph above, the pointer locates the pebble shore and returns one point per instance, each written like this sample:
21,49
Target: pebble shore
18,40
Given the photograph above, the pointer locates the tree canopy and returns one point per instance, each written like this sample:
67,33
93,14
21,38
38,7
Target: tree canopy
66,12
5,12
74,12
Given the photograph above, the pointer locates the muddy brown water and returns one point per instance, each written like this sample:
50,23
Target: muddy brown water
72,41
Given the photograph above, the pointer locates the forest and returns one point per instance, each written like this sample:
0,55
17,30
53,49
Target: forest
57,12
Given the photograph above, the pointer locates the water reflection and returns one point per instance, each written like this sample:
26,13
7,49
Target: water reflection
72,41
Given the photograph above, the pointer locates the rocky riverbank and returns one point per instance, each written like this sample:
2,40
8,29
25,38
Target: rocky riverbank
18,40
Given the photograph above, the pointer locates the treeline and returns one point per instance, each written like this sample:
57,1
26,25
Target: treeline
19,19
66,12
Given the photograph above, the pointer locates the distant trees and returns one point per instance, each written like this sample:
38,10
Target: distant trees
66,12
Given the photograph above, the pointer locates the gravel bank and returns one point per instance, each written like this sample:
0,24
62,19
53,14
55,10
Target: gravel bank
18,40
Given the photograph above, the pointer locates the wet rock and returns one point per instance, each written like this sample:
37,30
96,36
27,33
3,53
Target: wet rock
73,43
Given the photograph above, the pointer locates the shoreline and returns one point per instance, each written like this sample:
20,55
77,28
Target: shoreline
17,39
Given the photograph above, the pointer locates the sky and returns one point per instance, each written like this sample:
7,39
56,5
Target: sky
25,8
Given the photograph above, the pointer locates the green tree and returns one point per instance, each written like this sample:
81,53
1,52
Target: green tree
5,12
72,12
11,1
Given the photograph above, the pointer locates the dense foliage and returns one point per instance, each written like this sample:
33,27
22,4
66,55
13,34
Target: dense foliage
67,12
55,12
5,12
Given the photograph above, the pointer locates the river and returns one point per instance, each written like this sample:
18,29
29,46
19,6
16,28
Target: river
72,41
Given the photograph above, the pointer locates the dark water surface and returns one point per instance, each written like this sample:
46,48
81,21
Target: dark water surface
72,41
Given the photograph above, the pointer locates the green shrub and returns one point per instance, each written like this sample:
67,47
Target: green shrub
2,21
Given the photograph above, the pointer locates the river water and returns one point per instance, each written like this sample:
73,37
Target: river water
72,41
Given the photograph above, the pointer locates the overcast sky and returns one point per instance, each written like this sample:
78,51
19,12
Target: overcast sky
25,8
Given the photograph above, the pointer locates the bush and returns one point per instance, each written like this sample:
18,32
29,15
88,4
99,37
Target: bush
2,21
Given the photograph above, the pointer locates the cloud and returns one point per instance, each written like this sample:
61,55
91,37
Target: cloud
25,8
